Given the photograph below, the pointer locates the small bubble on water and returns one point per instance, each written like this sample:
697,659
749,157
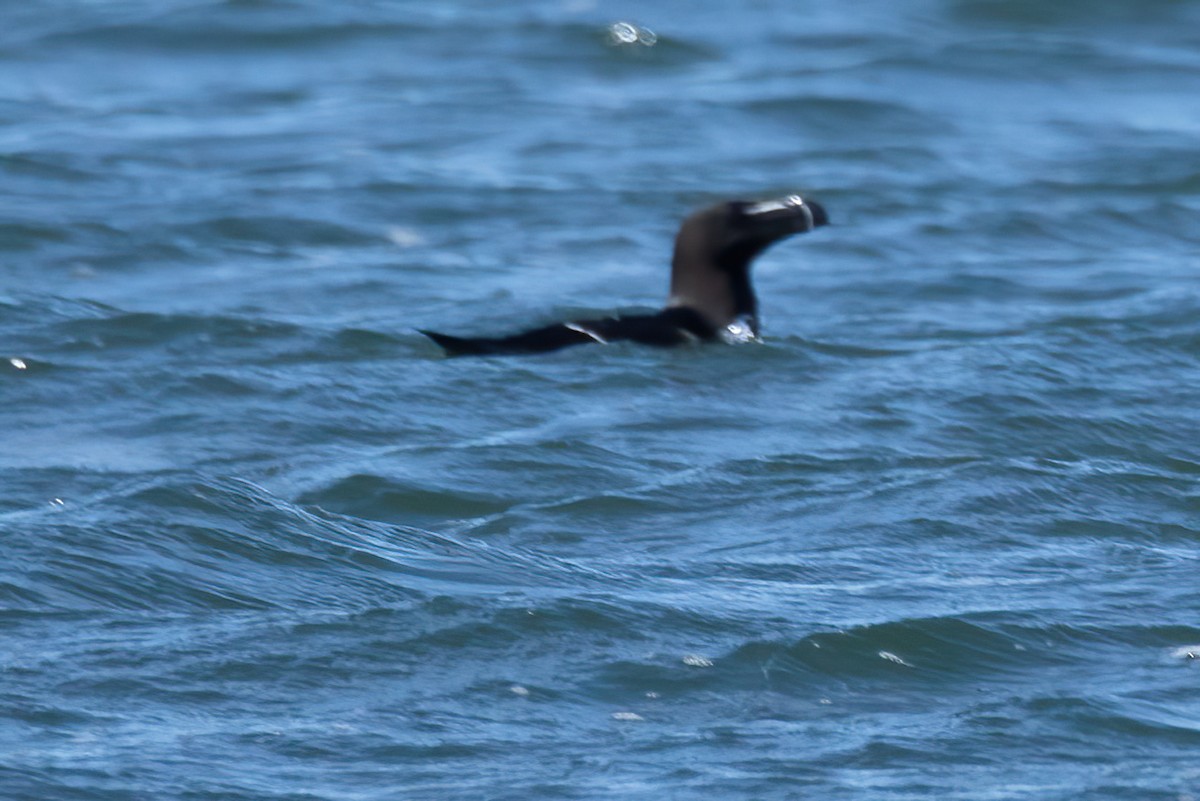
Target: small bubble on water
626,33
18,363
627,716
517,689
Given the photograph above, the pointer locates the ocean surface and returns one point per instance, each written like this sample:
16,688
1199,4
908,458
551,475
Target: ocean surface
936,537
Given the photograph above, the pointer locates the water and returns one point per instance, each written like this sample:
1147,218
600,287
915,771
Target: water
935,538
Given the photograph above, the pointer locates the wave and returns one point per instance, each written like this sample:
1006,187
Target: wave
1068,13
863,665
59,329
228,544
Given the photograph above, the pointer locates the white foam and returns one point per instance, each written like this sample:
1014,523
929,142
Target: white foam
738,331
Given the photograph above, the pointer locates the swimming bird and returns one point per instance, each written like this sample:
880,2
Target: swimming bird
711,297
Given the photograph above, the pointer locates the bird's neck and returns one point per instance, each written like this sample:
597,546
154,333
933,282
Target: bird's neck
718,289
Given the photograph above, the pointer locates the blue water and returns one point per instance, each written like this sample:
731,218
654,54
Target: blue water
936,537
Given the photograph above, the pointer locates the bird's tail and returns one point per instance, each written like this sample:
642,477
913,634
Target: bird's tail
461,346
539,340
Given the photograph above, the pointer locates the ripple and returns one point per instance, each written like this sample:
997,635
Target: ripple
863,115
45,166
218,32
285,232
19,237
